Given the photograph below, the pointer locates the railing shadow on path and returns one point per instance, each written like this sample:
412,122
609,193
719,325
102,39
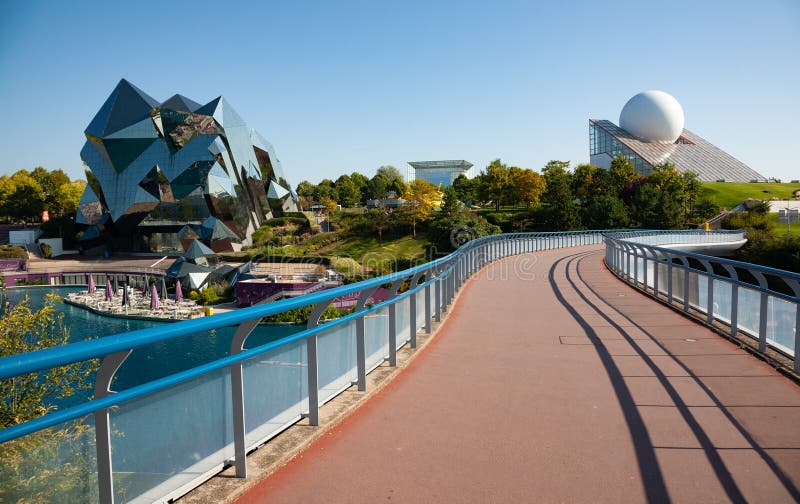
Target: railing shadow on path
651,472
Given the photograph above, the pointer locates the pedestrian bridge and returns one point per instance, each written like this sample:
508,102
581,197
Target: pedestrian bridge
551,379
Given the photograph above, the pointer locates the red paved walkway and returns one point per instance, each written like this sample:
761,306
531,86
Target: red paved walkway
578,389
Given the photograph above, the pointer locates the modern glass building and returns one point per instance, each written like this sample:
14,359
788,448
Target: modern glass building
652,133
439,172
163,174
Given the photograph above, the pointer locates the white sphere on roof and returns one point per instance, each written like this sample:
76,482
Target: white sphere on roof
653,116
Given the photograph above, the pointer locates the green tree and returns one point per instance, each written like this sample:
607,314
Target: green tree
360,181
379,217
33,468
349,194
377,187
450,203
26,199
621,174
66,198
494,183
394,179
561,211
466,189
606,211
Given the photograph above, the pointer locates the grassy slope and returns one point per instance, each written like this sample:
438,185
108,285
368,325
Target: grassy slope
730,194
370,249
780,229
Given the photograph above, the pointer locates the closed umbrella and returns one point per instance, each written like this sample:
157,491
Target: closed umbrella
163,289
178,292
125,300
109,296
92,286
116,284
146,286
153,298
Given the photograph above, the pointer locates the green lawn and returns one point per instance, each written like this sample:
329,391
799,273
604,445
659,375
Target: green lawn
780,229
370,249
730,194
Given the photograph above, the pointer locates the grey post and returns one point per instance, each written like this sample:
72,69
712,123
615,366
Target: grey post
237,397
361,350
102,425
313,369
393,323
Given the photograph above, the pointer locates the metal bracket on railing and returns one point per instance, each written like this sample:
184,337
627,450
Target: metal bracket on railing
313,365
361,344
762,317
709,291
102,425
413,309
734,298
237,395
393,322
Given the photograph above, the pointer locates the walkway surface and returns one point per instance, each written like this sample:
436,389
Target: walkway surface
552,381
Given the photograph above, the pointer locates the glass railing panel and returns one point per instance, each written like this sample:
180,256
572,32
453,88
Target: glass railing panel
749,310
722,300
275,390
420,294
376,337
402,321
781,322
171,438
677,283
57,464
336,348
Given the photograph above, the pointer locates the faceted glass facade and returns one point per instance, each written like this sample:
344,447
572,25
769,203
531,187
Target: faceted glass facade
156,170
689,153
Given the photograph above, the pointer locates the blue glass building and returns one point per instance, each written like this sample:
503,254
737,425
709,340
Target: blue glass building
163,174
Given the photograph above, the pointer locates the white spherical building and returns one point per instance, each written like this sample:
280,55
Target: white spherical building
653,116
651,132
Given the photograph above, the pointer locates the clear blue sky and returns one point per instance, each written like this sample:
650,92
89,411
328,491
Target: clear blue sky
344,86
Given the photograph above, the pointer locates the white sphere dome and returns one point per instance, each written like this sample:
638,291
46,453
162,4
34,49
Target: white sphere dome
653,116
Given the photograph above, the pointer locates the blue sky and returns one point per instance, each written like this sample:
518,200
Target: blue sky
350,86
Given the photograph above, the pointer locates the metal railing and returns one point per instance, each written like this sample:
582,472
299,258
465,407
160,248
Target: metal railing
761,302
158,440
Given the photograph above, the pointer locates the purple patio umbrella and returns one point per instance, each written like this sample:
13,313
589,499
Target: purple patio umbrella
109,296
178,292
153,297
92,286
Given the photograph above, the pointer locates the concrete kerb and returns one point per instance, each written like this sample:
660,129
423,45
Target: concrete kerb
265,460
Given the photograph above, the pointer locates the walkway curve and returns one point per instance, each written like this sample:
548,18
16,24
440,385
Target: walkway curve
552,381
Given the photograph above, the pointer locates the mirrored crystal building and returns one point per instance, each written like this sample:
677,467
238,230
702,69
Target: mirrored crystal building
161,175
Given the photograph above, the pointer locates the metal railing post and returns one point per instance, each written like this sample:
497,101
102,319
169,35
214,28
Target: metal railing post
102,425
313,362
428,309
361,343
437,297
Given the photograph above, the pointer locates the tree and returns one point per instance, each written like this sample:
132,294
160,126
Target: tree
450,203
360,181
422,199
390,172
349,194
376,188
32,468
494,183
562,213
379,217
527,186
466,189
621,173
606,211
26,199
66,198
